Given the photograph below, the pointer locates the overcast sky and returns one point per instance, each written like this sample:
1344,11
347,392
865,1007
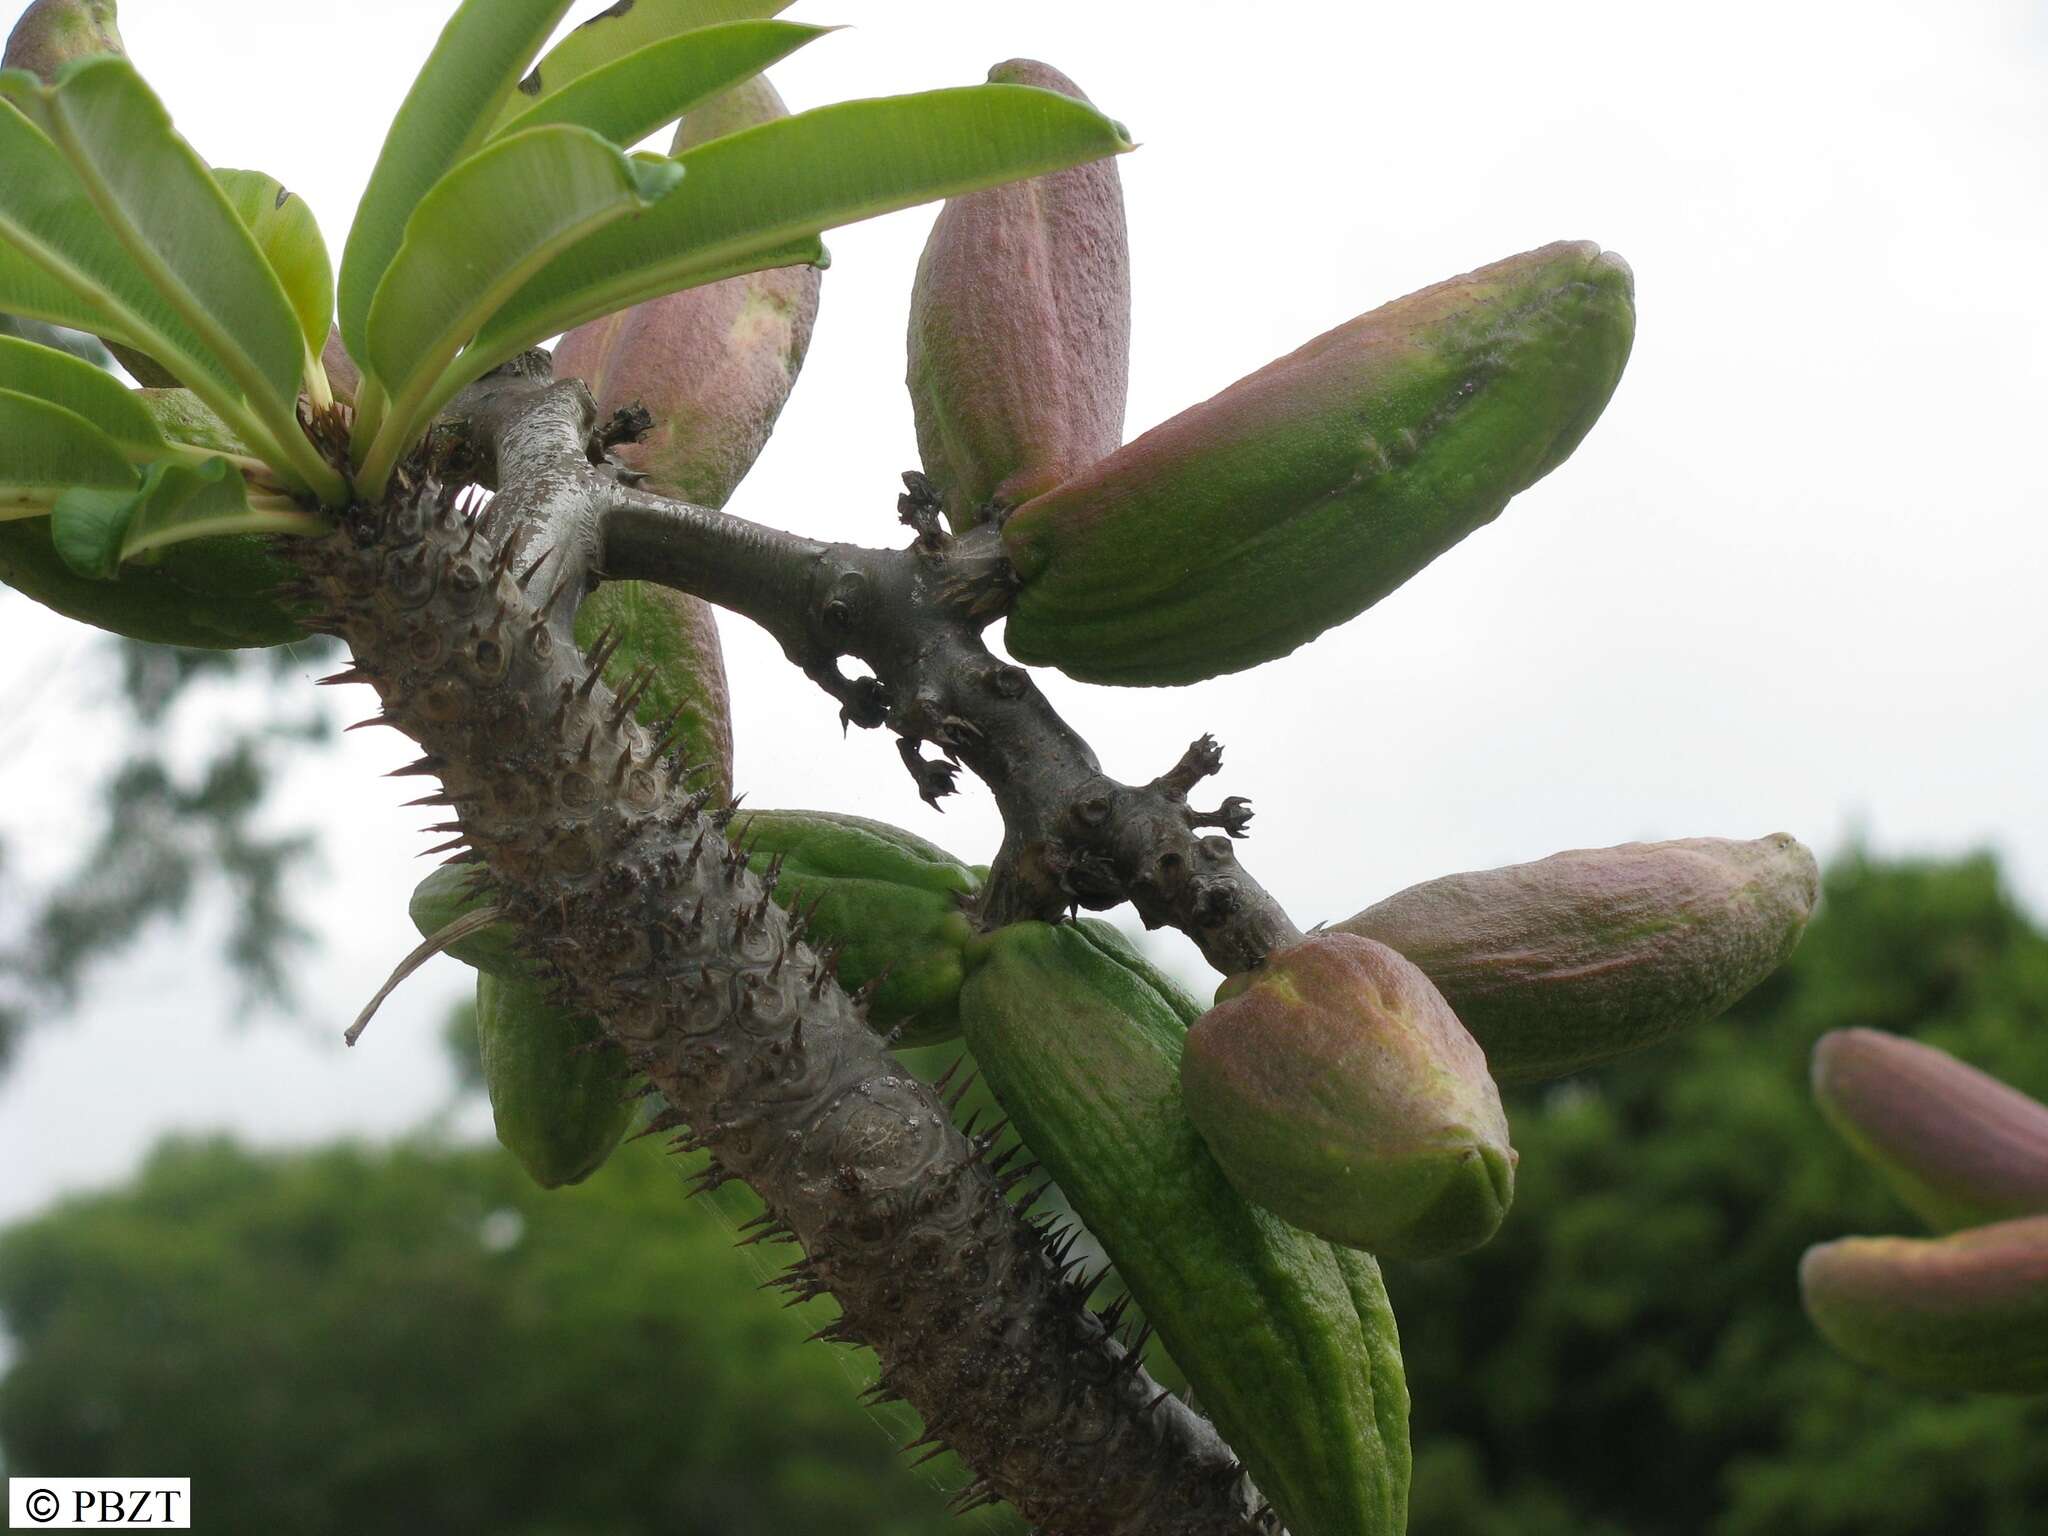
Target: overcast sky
1792,581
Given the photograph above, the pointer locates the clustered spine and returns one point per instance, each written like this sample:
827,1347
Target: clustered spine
642,913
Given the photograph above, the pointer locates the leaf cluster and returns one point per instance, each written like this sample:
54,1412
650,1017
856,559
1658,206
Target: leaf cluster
506,207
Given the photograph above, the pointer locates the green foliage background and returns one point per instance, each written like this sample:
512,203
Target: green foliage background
1628,1357
321,1340
418,1338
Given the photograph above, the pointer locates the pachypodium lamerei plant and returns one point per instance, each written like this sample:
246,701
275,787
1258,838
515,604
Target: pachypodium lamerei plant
304,457
1966,1311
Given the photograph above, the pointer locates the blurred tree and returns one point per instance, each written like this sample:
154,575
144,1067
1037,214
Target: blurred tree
418,1339
1629,1357
171,827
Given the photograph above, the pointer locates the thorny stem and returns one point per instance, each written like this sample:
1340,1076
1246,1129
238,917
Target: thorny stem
629,899
1073,835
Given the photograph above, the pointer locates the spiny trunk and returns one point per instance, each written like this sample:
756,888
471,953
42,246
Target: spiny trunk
639,910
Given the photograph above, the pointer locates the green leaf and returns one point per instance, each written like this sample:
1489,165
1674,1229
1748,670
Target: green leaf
626,29
59,262
289,237
183,417
28,288
96,530
484,229
86,528
632,96
212,500
45,450
205,288
759,191
444,119
57,378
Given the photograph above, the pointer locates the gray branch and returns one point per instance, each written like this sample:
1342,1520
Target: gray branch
1073,836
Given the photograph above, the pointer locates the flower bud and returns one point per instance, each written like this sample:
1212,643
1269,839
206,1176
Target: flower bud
559,1106
53,33
1303,494
1020,330
676,634
1956,1144
1336,1088
1962,1313
1590,954
714,364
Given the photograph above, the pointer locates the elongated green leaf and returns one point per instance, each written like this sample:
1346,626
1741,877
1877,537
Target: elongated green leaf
630,97
26,287
58,378
60,263
760,190
484,229
494,348
183,417
46,450
289,237
216,503
210,294
158,197
626,29
445,118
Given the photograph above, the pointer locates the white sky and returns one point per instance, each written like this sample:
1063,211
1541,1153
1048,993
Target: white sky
1793,580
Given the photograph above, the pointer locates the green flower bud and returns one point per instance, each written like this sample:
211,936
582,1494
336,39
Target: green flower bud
1020,330
1588,955
559,1108
1305,493
1337,1089
894,904
1962,1313
1956,1144
677,635
453,891
1289,1341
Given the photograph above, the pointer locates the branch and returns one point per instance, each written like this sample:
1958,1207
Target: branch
636,907
1073,836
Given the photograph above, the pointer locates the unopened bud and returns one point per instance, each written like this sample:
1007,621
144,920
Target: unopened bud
714,364
1336,1088
1588,955
1956,1144
1962,1313
1020,330
53,33
1306,492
